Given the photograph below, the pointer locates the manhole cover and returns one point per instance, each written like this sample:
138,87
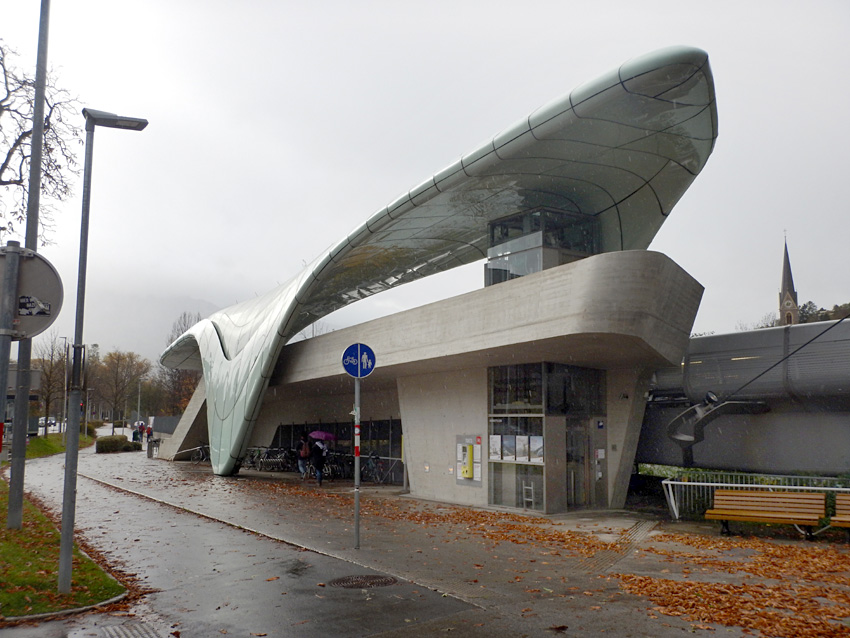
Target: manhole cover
362,582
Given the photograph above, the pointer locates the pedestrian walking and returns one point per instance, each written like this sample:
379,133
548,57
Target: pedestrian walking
317,457
303,451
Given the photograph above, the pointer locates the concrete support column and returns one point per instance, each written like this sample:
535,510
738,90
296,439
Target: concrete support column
626,402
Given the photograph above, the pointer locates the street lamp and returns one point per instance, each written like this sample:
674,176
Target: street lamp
66,543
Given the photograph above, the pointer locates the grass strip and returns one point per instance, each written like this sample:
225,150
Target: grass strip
51,444
29,557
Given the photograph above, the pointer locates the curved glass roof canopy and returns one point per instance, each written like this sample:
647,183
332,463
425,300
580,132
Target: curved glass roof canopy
618,151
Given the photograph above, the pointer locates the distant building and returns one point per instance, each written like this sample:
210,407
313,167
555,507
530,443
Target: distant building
789,310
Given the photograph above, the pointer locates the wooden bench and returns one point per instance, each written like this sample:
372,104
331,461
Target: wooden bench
760,506
842,512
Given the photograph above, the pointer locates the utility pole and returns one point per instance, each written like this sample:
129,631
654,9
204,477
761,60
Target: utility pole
22,392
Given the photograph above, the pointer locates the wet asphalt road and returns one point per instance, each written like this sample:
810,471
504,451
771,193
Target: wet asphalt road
211,579
183,532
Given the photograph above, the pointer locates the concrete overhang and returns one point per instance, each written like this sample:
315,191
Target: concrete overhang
630,309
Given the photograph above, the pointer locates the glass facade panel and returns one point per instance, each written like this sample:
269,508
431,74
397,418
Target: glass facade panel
561,229
575,233
516,389
521,425
520,398
516,485
542,238
381,437
514,227
569,390
574,391
514,266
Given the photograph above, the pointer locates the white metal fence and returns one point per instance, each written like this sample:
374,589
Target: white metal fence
691,493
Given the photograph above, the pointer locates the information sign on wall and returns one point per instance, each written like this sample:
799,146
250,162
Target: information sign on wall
468,460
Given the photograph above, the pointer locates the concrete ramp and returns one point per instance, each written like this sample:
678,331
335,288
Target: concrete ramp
192,429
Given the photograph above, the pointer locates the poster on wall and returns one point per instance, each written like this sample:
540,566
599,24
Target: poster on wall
536,449
509,447
495,447
522,448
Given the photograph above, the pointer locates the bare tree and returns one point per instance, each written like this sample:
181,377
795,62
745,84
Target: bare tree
185,321
59,163
119,376
50,360
768,320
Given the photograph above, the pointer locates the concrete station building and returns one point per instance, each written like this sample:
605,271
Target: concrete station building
529,392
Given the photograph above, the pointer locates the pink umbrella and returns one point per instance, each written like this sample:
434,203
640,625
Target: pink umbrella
322,436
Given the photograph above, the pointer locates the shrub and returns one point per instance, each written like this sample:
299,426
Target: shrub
116,443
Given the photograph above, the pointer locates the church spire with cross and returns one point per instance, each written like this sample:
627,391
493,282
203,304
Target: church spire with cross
789,311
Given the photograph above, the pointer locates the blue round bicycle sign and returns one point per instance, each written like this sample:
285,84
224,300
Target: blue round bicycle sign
358,360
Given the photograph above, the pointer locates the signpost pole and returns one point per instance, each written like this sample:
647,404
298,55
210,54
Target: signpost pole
15,513
358,361
356,462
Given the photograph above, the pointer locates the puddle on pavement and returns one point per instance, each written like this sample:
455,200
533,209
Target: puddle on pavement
296,568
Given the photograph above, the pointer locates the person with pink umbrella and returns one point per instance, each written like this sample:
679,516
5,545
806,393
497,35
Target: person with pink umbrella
317,457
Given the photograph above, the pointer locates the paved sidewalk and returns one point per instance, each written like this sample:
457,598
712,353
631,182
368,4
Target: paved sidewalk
509,575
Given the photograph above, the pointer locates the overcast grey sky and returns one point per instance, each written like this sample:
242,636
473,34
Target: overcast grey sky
277,127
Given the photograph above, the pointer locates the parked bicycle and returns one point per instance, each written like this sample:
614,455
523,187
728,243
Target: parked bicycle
253,457
373,469
201,453
277,460
339,466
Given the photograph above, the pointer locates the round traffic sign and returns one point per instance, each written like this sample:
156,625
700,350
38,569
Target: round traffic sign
39,293
358,360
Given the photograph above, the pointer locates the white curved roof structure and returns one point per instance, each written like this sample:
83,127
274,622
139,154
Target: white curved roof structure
622,149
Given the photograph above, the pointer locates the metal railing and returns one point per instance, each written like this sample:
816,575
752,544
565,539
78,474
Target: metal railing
692,493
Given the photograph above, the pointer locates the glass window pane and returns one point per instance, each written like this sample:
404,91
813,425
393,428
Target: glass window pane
516,485
574,391
516,389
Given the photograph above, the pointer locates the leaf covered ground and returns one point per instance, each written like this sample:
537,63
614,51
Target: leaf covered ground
785,589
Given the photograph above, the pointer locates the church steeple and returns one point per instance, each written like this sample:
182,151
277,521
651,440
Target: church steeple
789,311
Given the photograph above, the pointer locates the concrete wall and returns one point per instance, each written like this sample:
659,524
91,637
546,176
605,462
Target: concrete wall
785,440
435,409
626,403
609,311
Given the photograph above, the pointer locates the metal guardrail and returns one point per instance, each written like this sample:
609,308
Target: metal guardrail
692,493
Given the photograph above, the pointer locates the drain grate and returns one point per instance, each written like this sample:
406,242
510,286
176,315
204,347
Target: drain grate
362,582
130,630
